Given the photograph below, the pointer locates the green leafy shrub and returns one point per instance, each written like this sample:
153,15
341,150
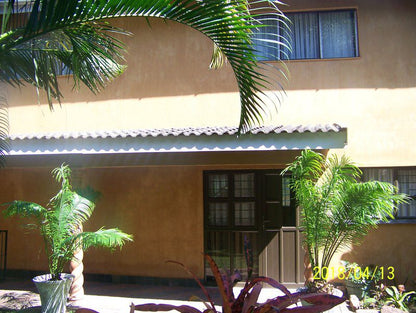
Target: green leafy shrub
60,223
399,298
337,210
366,278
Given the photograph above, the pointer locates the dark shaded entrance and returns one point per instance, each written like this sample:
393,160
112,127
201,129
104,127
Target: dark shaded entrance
256,204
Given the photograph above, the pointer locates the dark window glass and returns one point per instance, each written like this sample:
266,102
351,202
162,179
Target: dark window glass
218,214
311,35
404,179
407,184
218,186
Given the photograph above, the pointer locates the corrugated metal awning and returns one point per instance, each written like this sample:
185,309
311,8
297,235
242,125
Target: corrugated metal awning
206,139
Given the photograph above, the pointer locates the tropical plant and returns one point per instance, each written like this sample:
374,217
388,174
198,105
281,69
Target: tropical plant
246,301
365,278
365,282
337,210
374,299
399,298
39,36
59,224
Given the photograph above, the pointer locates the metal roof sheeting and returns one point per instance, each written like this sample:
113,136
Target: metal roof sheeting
177,132
205,139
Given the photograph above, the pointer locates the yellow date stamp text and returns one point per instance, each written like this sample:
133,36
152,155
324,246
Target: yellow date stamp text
357,273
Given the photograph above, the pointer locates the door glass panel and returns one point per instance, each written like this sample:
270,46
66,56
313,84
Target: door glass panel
278,216
218,214
218,247
218,185
272,189
244,214
244,185
274,214
286,191
239,256
289,216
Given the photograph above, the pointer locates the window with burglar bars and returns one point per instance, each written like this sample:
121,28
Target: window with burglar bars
308,35
404,179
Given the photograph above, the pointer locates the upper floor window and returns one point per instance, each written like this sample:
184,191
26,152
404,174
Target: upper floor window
311,35
404,179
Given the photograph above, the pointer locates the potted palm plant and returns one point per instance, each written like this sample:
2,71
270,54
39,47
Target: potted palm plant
336,208
60,224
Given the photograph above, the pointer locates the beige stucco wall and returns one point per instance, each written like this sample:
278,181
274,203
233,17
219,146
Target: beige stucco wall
391,245
161,206
166,222
373,95
168,84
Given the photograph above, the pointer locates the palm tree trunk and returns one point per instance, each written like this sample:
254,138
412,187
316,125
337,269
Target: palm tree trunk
76,268
308,273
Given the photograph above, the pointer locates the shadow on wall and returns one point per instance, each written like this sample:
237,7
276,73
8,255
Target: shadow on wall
392,248
169,59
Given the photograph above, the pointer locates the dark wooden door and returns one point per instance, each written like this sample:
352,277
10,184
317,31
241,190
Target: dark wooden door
255,205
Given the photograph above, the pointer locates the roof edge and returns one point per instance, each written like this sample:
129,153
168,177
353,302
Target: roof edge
176,132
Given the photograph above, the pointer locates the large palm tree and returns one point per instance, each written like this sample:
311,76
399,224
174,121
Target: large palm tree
39,37
337,210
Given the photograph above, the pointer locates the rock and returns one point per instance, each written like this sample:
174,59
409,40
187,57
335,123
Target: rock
354,302
390,309
337,292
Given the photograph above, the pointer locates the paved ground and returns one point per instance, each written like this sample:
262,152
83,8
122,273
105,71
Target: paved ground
102,297
21,296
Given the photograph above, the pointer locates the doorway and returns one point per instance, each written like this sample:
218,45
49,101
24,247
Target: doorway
257,205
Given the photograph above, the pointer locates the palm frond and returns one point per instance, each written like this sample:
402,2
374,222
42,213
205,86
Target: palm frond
306,167
62,175
67,203
106,238
60,223
82,209
25,209
336,209
218,58
95,57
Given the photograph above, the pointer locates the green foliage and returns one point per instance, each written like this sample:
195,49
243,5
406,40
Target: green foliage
60,223
336,209
399,299
367,276
368,280
48,33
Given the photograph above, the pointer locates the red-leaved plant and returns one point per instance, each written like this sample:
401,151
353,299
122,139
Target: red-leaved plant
246,301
